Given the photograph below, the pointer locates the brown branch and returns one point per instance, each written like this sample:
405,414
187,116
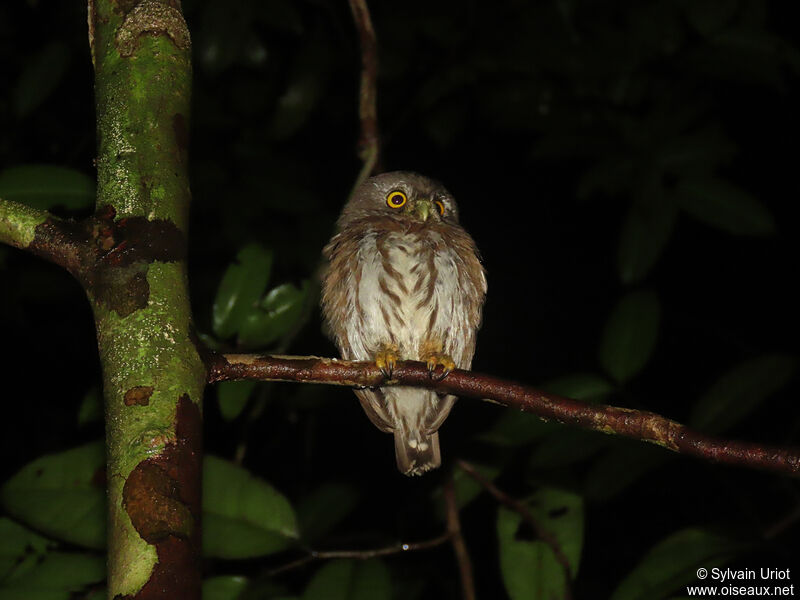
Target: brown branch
639,425
457,540
89,248
314,555
369,140
541,533
63,242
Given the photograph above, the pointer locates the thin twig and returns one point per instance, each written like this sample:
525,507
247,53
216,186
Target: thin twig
369,139
783,524
541,533
457,540
314,555
636,424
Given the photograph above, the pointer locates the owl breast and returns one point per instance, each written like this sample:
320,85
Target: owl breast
411,290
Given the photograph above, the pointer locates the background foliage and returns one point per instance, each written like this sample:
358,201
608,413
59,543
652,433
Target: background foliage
627,169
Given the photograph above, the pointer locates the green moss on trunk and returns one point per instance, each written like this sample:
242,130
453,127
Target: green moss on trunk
152,373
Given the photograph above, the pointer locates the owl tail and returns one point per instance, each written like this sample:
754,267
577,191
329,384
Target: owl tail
417,452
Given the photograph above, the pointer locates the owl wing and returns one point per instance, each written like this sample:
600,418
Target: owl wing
373,401
445,405
460,343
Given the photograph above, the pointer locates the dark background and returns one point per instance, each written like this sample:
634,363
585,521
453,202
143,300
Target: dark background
547,121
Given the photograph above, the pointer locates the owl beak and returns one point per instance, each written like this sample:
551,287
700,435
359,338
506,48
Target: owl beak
424,209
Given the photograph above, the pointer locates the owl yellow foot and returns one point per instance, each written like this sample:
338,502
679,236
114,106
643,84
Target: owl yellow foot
385,360
435,359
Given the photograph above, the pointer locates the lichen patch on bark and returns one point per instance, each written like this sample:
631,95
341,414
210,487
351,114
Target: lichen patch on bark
152,18
123,290
122,251
152,499
139,395
162,499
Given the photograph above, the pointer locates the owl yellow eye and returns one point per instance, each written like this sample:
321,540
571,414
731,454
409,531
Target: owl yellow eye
440,206
396,199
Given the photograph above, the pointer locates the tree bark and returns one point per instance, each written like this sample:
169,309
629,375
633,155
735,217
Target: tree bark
153,377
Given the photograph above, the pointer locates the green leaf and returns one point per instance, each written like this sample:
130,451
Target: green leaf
209,340
466,488
709,16
303,90
350,580
283,298
238,587
60,572
530,569
579,386
673,563
91,410
325,508
739,392
647,229
263,588
566,446
516,428
630,335
725,206
621,466
233,396
40,77
18,544
224,587
241,287
746,54
243,516
283,15
28,594
611,175
47,186
59,495
277,315
561,513
692,153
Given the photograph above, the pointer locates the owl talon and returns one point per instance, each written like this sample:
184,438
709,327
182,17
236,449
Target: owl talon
439,359
386,360
444,374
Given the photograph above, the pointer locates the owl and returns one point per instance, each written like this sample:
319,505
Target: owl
404,281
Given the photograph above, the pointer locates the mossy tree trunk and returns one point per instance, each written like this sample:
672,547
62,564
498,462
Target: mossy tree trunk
153,376
130,257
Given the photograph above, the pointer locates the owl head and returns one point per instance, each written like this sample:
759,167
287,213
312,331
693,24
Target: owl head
403,196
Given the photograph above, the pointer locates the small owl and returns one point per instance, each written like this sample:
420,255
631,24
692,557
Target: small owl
404,281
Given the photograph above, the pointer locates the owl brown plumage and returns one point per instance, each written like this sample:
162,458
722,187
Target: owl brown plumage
404,282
